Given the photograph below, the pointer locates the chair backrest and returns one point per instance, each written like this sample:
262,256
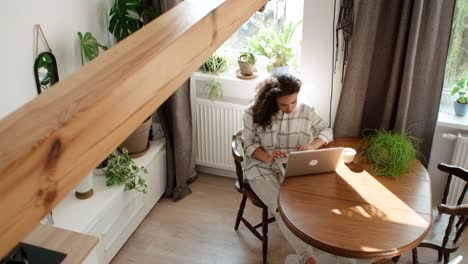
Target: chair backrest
237,154
460,210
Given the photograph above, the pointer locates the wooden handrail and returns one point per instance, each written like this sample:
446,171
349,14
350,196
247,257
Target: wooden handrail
48,145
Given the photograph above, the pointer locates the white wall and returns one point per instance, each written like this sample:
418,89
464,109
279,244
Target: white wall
60,21
317,53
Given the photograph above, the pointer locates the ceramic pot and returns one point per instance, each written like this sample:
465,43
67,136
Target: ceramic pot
137,143
84,189
460,109
280,70
245,68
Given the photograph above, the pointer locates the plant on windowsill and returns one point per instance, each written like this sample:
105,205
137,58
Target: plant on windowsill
276,47
461,103
213,89
246,63
215,64
390,153
122,170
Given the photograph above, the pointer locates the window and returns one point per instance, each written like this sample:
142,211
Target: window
457,59
275,15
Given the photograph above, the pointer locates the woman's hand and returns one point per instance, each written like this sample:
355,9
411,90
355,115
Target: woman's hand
314,145
305,147
278,153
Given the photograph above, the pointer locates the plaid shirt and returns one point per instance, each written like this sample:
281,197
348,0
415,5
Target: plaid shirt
301,127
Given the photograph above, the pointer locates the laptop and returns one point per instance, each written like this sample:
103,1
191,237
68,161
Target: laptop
310,161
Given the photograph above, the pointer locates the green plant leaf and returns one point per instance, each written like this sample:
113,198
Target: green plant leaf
89,46
125,18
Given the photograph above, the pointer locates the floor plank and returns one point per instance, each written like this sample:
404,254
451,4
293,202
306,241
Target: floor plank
200,229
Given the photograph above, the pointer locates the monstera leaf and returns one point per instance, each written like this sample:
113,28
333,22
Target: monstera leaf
89,46
126,17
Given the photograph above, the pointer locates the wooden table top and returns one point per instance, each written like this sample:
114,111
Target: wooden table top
354,214
77,246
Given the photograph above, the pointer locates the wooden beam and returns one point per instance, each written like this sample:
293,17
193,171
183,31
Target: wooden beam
52,142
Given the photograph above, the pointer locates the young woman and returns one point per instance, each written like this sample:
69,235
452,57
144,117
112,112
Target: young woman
274,125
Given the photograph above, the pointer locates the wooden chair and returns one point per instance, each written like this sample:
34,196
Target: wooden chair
444,236
247,192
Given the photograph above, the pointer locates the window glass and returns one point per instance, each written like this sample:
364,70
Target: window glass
275,14
457,59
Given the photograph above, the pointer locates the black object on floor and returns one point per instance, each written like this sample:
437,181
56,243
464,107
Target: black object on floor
29,254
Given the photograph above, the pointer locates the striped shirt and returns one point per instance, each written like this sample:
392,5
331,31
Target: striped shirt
300,127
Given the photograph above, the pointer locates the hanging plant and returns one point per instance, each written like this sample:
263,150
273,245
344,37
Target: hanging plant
390,153
213,89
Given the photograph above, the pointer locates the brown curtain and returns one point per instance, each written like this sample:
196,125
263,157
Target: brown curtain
395,73
176,120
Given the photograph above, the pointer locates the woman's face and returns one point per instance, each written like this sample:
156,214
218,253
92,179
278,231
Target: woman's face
287,103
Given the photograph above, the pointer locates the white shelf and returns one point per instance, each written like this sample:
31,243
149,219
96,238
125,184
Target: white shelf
82,215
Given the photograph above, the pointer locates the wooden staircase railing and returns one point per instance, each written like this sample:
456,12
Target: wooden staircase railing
48,145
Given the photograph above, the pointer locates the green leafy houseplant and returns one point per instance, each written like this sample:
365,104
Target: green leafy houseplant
275,46
214,64
123,170
248,57
89,47
126,17
246,63
461,89
391,153
213,89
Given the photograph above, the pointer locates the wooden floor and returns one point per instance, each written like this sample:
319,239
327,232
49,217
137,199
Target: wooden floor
200,229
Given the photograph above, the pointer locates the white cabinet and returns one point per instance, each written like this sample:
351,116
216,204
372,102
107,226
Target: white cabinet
112,214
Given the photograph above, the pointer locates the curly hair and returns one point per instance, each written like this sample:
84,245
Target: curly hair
265,106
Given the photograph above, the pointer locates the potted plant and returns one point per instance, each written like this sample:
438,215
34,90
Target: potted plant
215,64
390,153
276,47
246,63
123,170
126,17
461,103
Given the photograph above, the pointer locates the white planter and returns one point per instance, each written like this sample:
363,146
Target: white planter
280,70
84,189
100,171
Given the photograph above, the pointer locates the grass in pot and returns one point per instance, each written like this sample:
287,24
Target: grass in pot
391,154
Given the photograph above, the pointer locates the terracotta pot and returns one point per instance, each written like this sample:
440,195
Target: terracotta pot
137,142
245,68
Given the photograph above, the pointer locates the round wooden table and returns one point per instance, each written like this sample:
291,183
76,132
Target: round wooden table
352,213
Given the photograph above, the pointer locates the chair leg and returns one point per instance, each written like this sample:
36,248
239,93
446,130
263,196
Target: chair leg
240,212
396,258
415,255
265,234
446,257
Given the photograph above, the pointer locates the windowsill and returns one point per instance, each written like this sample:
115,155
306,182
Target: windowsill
447,118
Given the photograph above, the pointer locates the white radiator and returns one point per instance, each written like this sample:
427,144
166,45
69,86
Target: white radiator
459,158
216,122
